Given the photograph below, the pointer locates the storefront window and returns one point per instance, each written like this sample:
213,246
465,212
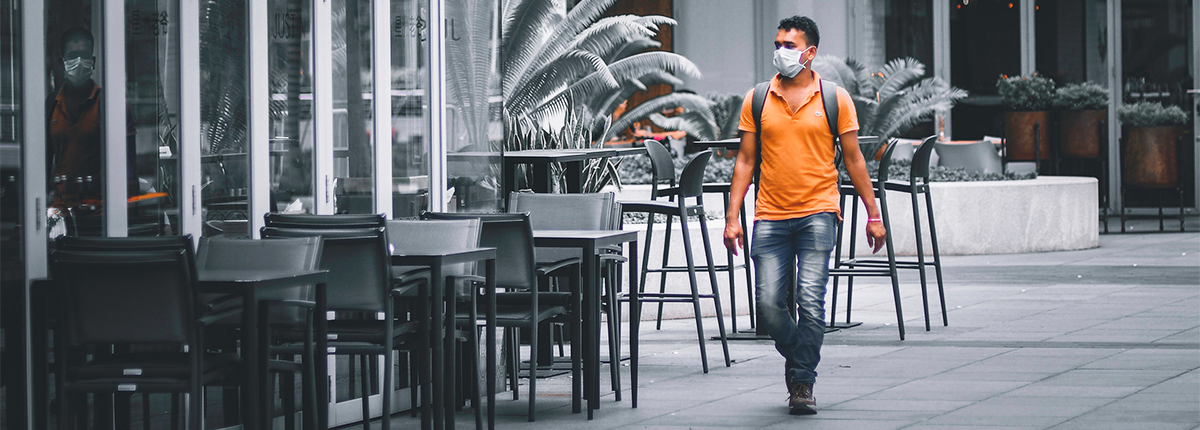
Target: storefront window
223,117
12,259
1072,40
290,73
985,44
152,91
410,107
75,142
475,132
353,150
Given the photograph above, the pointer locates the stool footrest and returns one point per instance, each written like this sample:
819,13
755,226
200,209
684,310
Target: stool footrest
858,272
905,264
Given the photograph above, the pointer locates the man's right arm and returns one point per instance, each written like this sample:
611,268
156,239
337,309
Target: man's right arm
743,171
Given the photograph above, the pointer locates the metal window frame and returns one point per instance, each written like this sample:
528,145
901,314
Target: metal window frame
259,118
33,160
116,214
381,102
437,101
1195,112
322,45
189,119
1115,76
941,54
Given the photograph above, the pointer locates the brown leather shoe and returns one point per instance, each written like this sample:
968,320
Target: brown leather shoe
801,400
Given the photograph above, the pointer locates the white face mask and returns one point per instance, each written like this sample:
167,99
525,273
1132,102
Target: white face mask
78,70
787,61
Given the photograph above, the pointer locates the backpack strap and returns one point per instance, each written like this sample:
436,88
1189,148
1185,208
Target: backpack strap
756,108
831,115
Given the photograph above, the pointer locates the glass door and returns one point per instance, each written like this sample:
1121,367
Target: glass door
410,107
152,94
224,158
353,145
12,238
291,82
985,43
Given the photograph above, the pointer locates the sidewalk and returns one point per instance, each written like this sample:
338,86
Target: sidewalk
1094,339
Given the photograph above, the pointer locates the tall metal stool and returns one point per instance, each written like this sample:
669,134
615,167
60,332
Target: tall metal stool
724,188
852,267
690,186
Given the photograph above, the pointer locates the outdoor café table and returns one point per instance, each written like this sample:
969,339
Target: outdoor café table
436,261
572,161
250,285
732,144
589,242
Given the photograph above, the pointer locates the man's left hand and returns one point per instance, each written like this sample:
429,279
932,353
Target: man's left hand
876,236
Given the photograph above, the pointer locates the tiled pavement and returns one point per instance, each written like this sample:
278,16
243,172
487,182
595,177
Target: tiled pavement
1094,339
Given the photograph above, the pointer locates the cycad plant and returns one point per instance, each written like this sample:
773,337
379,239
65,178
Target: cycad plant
562,74
892,100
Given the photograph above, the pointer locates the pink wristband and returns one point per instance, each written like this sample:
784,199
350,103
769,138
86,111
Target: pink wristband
871,220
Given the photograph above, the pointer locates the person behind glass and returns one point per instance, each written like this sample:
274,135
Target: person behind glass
796,212
75,130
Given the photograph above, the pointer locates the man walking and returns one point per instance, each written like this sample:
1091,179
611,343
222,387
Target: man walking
796,212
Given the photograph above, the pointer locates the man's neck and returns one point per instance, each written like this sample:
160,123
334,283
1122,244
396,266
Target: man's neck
81,91
801,80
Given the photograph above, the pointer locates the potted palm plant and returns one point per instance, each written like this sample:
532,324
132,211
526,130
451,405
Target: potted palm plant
892,100
1084,107
1151,135
1027,122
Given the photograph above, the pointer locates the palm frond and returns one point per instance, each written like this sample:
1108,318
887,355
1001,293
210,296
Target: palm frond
536,88
637,65
919,103
631,48
655,105
577,20
525,25
612,34
898,74
692,122
835,69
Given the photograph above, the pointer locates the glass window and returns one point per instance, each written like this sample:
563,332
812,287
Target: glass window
152,91
75,143
290,72
475,132
985,43
353,147
410,107
223,117
1071,38
12,261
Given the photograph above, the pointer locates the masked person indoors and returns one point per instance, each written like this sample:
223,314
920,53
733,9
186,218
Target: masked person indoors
796,212
75,128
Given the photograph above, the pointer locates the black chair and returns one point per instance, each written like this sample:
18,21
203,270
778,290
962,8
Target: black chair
592,211
724,188
289,310
119,301
918,184
690,186
359,282
414,237
974,157
852,267
324,221
519,304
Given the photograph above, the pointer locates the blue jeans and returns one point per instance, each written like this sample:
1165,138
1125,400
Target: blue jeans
777,246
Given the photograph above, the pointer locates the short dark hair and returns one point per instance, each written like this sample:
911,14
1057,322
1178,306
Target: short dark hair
805,24
73,34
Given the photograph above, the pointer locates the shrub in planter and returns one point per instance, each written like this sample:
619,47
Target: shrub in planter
1027,97
1149,154
1084,106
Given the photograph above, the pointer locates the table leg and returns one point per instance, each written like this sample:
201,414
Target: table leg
250,409
510,181
573,175
592,327
490,317
322,358
635,315
437,290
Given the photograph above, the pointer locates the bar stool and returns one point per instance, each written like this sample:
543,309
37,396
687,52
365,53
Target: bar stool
690,185
724,188
852,267
918,183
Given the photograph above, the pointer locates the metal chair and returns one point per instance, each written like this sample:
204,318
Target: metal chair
519,303
134,298
690,187
853,267
974,157
289,310
359,281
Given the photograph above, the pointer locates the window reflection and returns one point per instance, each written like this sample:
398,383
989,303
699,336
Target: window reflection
75,123
353,150
474,105
410,107
152,88
290,72
223,116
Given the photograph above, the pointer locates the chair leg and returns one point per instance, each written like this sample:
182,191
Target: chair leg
646,252
146,410
891,252
691,269
365,397
716,292
287,394
473,339
533,365
748,266
576,327
916,208
837,261
514,361
729,271
937,256
614,339
662,279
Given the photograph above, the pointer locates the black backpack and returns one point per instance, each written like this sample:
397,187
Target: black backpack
831,115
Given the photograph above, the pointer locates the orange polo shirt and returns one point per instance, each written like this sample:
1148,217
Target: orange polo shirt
798,177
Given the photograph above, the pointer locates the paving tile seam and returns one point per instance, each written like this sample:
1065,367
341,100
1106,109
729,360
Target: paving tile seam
1114,401
1000,344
